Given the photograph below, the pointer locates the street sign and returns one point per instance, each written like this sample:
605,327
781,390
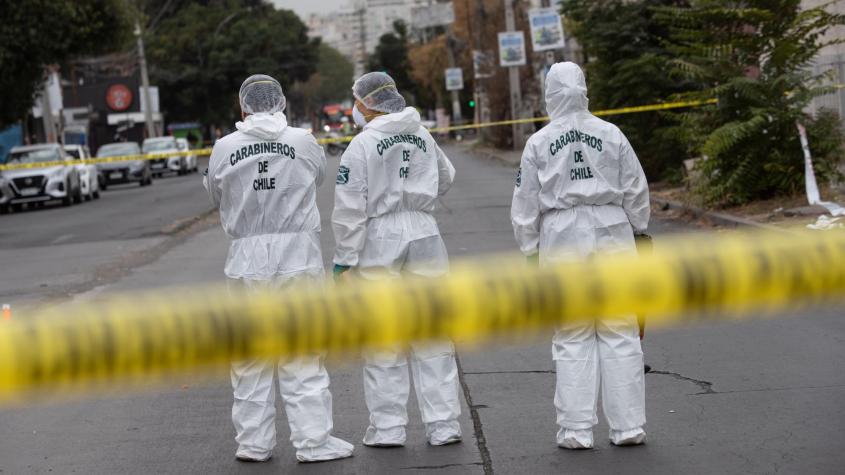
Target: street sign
482,64
546,29
154,101
511,49
454,79
436,14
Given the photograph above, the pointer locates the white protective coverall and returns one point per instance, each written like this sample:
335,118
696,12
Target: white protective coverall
581,190
387,185
264,179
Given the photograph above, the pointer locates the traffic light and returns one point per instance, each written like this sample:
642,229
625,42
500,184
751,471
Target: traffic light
472,104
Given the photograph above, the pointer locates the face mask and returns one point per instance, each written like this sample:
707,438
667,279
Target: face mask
358,117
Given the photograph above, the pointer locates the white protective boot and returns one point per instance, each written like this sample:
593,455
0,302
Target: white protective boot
393,437
627,437
443,432
333,449
575,438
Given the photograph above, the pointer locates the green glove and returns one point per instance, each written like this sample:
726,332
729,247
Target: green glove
339,270
534,259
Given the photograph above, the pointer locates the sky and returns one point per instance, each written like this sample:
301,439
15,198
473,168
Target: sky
303,8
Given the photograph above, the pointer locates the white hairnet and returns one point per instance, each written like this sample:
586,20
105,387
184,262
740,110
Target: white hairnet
261,93
378,92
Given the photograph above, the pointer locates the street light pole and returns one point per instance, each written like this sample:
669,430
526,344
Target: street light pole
50,133
145,84
513,77
456,101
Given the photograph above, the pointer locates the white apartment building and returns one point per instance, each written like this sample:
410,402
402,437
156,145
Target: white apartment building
355,29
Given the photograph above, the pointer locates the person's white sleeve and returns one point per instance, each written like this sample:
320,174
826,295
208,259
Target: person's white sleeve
349,218
445,172
210,181
634,185
320,156
525,209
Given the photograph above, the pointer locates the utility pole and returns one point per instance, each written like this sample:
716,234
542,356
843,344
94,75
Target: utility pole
362,38
482,107
513,77
145,84
50,134
456,100
451,42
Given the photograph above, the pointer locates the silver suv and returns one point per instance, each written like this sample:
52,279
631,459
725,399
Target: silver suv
39,184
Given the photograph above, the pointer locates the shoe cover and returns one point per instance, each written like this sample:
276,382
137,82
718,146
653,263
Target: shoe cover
252,456
393,437
443,432
575,439
627,437
333,449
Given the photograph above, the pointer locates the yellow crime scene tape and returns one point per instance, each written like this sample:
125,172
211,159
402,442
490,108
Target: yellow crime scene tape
604,112
131,338
117,158
323,141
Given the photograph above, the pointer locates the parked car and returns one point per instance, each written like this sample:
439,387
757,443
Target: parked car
191,160
40,184
163,145
123,171
89,176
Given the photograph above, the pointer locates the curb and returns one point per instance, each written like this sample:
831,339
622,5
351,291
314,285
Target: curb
722,219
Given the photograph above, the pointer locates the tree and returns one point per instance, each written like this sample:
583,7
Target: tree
201,53
37,33
331,83
391,57
626,63
752,56
428,64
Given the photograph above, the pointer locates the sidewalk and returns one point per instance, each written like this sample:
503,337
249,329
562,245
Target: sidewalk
778,214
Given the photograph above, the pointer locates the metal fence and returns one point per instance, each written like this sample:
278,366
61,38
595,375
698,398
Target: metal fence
833,66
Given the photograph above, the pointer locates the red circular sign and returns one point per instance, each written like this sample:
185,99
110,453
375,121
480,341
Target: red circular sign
118,97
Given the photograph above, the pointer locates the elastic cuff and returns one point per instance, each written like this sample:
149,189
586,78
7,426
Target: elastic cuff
339,269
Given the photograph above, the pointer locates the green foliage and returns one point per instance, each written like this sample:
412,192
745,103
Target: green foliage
391,56
38,33
200,54
626,65
753,56
330,84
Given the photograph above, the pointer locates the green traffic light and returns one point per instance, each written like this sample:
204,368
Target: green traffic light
472,103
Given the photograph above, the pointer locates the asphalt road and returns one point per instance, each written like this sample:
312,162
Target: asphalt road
758,396
53,252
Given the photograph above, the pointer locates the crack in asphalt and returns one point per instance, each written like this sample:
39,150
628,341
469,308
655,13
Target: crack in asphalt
528,371
175,234
705,386
478,429
437,467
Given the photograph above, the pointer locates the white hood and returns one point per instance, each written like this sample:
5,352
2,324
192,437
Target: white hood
264,126
566,90
396,123
24,172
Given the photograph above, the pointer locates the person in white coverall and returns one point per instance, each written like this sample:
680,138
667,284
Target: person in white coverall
388,182
580,191
264,178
